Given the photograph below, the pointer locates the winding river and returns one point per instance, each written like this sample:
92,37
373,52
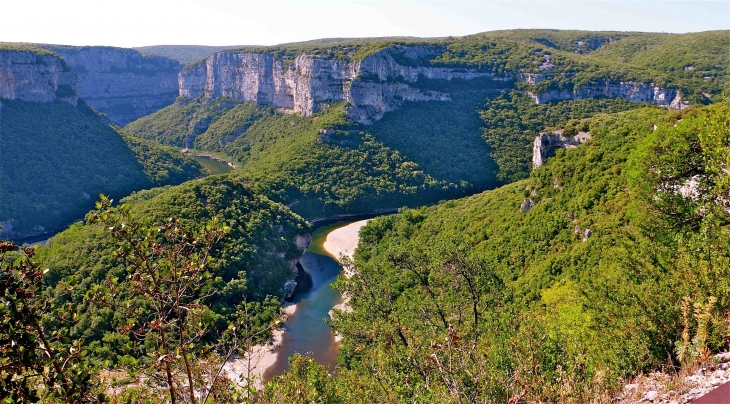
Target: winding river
306,330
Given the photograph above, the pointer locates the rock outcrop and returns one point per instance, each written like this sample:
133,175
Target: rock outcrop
630,91
546,144
372,86
36,76
120,82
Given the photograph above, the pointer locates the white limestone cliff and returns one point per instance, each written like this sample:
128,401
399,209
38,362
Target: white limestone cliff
371,86
120,82
546,144
36,77
630,91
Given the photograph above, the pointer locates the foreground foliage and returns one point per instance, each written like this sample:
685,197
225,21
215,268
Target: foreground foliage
251,263
31,355
168,267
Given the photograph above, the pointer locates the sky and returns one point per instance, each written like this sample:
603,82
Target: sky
129,23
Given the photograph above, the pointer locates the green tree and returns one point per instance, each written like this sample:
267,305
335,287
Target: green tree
168,266
36,363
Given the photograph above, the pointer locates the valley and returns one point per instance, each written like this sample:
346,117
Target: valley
525,215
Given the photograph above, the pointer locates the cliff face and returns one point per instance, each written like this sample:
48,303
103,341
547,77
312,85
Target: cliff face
547,143
372,86
36,77
121,83
631,91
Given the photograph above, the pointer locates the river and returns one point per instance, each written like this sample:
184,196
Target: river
213,166
306,330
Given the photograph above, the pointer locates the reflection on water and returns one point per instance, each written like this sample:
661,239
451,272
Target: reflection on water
306,329
213,166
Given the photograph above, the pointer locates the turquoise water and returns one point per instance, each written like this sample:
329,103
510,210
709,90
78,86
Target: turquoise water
307,332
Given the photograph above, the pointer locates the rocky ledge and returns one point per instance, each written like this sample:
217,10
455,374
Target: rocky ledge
546,144
631,91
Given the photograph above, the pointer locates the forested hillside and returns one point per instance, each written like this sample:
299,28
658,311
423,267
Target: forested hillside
477,137
55,159
419,154
697,62
490,299
292,160
252,263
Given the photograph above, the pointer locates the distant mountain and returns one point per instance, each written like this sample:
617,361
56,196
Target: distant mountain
187,54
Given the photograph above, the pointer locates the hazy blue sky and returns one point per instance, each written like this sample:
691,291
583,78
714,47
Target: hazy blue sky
238,22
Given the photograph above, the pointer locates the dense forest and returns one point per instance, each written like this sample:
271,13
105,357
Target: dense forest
480,300
251,262
291,160
55,160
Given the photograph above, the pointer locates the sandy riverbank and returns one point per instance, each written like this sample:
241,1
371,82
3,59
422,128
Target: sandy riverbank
261,357
344,240
258,359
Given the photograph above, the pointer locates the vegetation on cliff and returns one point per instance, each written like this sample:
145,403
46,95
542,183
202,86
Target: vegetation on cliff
696,63
21,47
565,40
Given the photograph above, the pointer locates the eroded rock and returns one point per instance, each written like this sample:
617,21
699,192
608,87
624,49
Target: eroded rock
546,144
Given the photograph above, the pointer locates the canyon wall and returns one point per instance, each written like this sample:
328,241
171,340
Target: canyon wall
36,75
371,86
631,91
120,82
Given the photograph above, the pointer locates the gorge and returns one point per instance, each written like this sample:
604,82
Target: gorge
524,240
